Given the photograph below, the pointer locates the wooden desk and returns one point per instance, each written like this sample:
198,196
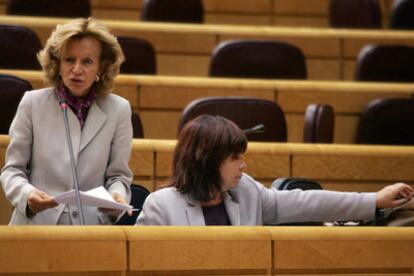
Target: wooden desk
185,49
160,100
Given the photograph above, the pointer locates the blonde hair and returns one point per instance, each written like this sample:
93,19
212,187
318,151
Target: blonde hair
111,53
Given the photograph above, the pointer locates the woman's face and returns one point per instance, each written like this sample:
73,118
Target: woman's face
80,64
231,170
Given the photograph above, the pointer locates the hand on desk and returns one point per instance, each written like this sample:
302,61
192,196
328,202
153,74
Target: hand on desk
394,195
38,201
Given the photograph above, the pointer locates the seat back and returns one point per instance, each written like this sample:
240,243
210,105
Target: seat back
387,122
402,14
182,11
12,90
137,129
245,112
49,8
385,63
18,48
139,56
319,124
258,59
355,14
138,195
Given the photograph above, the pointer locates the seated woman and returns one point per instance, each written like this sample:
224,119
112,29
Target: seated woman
208,187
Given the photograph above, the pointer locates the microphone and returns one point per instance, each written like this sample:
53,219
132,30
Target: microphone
256,129
64,106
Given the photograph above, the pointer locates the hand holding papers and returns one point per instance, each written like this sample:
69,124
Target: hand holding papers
98,197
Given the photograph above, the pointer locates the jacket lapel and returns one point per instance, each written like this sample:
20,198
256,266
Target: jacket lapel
194,212
94,121
233,209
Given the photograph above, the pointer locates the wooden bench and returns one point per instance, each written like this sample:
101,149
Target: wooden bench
65,249
226,250
185,49
160,100
336,167
236,12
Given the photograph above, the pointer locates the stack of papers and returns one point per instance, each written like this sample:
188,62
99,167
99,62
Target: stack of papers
98,197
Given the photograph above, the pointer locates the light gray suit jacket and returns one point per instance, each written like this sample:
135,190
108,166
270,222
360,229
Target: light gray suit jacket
38,155
250,203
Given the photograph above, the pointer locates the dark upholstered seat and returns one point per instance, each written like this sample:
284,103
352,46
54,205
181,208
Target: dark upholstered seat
385,63
138,195
245,112
137,129
12,90
181,11
355,14
18,48
319,124
402,14
50,8
139,56
387,122
258,59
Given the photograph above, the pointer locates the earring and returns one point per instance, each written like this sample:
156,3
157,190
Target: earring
97,78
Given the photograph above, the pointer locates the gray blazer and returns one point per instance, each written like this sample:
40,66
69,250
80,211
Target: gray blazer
38,155
250,203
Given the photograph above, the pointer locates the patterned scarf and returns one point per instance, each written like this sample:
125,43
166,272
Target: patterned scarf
80,106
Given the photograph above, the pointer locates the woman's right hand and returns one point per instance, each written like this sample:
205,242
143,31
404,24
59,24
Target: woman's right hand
39,201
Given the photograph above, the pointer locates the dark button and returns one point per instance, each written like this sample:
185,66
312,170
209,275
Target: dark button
75,214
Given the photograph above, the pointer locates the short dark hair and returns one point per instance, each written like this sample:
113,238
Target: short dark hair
204,143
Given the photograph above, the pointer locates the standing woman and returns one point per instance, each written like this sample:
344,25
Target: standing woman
208,187
80,61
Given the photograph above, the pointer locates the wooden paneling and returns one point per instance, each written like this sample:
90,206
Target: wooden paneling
208,249
62,249
185,49
342,251
160,100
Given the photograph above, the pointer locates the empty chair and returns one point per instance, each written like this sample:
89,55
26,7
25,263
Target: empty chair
50,8
387,122
139,56
12,90
138,195
319,124
385,63
245,112
402,14
355,14
258,59
182,11
18,48
137,129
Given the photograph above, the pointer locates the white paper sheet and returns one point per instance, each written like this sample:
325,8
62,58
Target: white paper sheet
98,197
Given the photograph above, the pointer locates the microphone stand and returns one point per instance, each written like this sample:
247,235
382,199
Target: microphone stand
64,107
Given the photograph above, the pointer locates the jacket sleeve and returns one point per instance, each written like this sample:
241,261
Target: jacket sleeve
316,205
15,174
118,174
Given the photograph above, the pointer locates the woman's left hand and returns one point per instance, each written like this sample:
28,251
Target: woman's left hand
394,195
116,212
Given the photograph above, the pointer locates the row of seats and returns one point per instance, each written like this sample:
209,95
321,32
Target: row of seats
239,58
365,13
13,88
384,121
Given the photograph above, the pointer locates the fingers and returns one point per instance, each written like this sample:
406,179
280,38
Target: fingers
39,201
121,200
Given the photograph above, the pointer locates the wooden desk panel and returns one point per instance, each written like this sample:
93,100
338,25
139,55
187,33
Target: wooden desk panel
45,249
228,250
185,49
342,250
160,100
